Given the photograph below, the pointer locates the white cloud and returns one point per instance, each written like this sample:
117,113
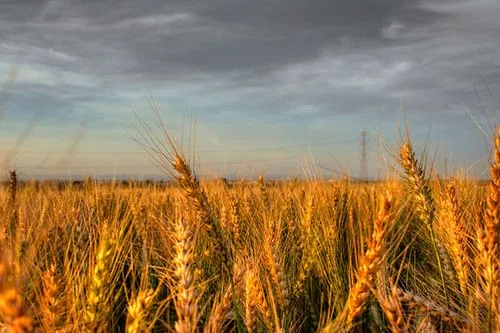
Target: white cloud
155,20
393,30
35,53
305,109
49,77
360,73
461,6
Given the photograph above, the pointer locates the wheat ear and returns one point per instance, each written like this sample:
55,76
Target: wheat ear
137,312
414,301
426,326
488,240
50,300
370,263
13,311
186,302
219,313
393,311
198,200
425,205
97,308
459,241
255,301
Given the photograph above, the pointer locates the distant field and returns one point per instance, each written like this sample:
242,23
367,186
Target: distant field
292,256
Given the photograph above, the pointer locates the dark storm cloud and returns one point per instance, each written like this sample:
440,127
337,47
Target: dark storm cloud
156,39
360,17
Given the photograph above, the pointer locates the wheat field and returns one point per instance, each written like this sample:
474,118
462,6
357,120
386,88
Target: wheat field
412,254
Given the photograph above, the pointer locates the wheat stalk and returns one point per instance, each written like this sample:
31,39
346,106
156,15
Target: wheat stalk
425,205
165,153
13,311
137,312
458,237
50,301
255,301
307,260
235,220
425,326
197,199
13,224
185,298
219,313
393,311
414,301
370,263
488,240
97,307
272,263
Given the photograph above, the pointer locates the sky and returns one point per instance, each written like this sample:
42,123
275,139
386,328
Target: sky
274,87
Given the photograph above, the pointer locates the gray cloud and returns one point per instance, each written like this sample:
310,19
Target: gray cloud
293,58
155,39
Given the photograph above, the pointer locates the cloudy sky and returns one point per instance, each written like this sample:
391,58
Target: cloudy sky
275,86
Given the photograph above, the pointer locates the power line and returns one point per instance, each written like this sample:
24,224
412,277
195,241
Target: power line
124,153
151,165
